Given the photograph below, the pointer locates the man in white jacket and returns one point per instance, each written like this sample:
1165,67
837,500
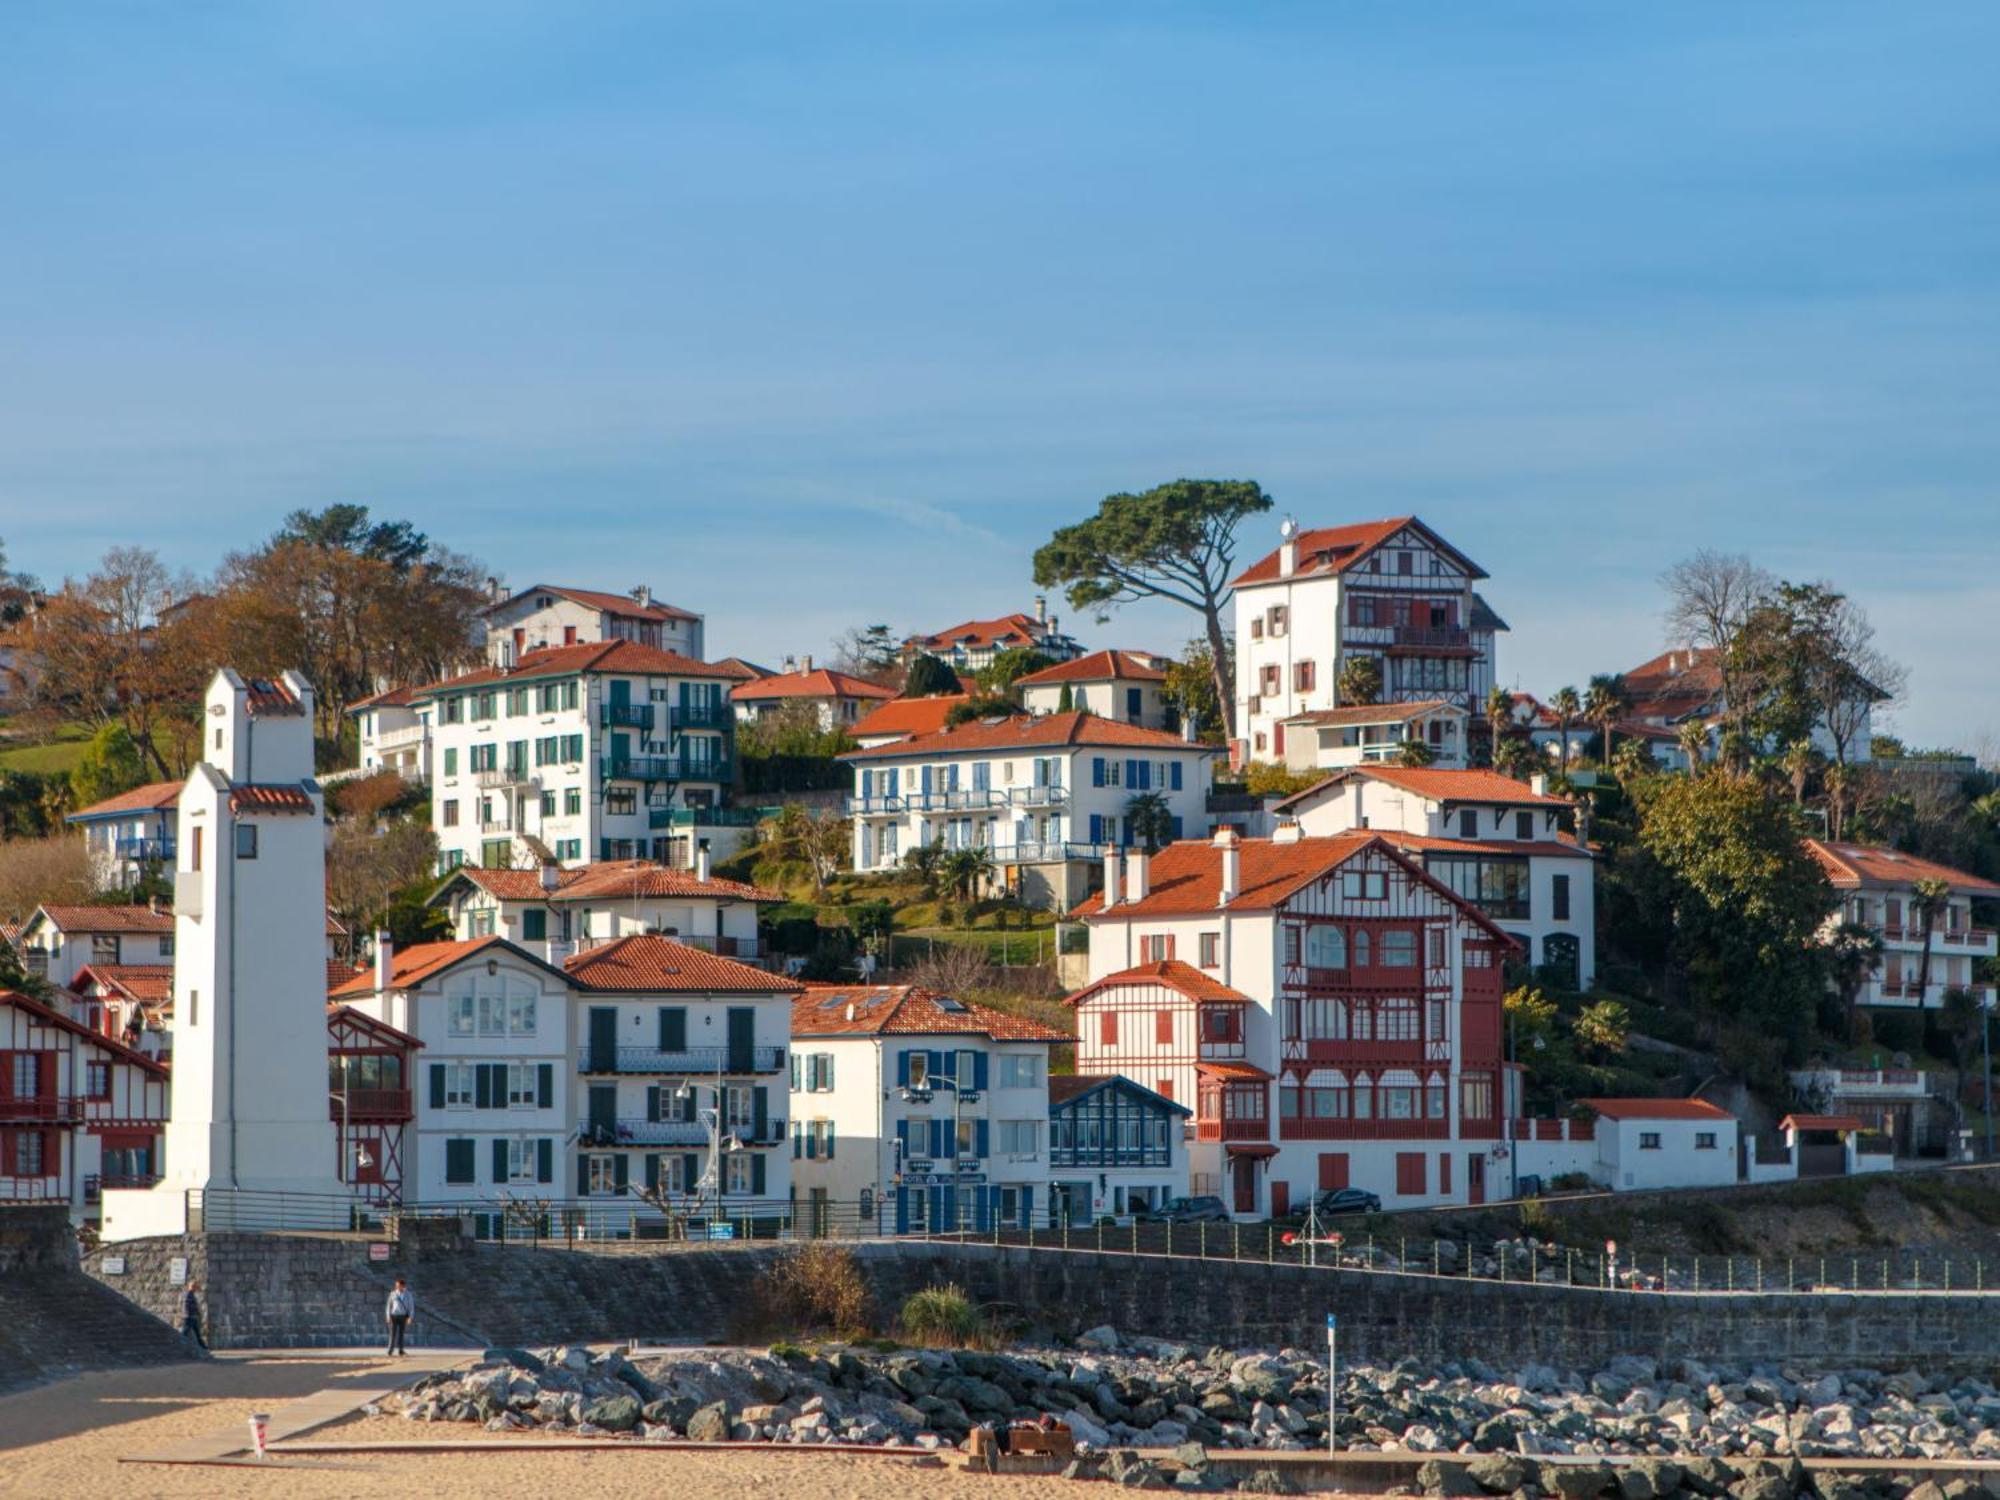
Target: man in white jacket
401,1306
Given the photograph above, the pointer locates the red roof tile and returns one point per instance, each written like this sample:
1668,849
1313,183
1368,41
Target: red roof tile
1440,786
606,880
1187,877
267,699
1859,866
1658,1109
1099,666
109,918
907,717
48,1016
155,796
1009,630
148,983
617,604
1241,1072
411,966
1328,550
736,666
253,796
588,656
1029,733
1174,974
906,1010
393,698
821,682
1823,1122
648,963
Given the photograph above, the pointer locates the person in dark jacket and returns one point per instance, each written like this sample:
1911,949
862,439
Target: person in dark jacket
401,1306
191,1316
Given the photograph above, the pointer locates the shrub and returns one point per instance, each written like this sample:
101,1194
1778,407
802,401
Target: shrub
1570,1182
813,1287
941,1315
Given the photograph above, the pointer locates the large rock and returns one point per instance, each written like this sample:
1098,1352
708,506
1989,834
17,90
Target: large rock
1577,1481
711,1424
613,1413
1103,1337
1500,1473
1435,1478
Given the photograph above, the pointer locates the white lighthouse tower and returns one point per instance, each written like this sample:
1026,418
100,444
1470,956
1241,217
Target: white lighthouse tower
249,1101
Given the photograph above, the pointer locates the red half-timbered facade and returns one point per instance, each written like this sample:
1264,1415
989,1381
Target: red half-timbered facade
369,1067
79,1112
1334,1011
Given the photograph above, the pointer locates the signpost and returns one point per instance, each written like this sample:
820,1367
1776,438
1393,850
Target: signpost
1332,1384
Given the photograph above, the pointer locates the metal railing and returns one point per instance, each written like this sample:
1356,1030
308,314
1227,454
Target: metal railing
1046,852
693,1061
41,1107
699,716
626,715
663,768
142,850
370,1104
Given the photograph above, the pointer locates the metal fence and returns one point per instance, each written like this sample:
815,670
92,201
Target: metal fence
637,1222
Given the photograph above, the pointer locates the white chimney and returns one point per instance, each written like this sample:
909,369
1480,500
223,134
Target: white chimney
1232,869
1288,831
1288,547
493,590
789,665
643,592
1137,875
1538,783
806,662
385,961
701,859
1110,879
1042,608
1187,730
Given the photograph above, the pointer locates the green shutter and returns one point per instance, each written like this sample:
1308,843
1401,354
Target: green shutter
545,1085
761,1105
499,1160
652,1172
621,1170
829,1140
689,1172
757,1175
482,1087
673,1028
653,1104
545,1160
437,1086
582,1176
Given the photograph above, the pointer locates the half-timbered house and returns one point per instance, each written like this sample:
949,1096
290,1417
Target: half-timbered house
369,1065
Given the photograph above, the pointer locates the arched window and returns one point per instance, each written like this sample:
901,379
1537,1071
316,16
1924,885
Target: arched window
1326,948
1361,959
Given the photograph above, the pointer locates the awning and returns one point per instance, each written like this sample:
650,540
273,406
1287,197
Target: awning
1248,1148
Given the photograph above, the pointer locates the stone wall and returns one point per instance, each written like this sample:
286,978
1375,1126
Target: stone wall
55,1322
277,1290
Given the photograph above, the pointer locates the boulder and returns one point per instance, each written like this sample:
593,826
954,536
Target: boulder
1435,1478
1500,1473
520,1359
614,1413
711,1424
1577,1481
1764,1486
1103,1337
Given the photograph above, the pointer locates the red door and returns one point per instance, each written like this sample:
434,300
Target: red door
1332,1170
1281,1199
1278,741
1244,1169
520,642
1475,1177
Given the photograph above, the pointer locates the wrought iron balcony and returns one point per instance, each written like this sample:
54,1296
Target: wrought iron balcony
662,768
695,1062
701,716
626,715
145,850
41,1107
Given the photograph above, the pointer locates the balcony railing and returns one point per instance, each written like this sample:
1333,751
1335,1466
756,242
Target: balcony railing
874,807
94,1183
1364,1130
141,851
711,817
499,776
1039,796
1452,637
721,716
1232,1130
1967,937
370,1104
602,1136
41,1107
1046,852
626,715
693,1061
656,768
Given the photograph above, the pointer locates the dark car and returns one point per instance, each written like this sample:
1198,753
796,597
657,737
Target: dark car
1335,1202
1189,1211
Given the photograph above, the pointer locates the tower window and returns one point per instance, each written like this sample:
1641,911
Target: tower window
246,840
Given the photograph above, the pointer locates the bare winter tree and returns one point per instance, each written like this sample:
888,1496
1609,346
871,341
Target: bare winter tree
1709,596
1858,679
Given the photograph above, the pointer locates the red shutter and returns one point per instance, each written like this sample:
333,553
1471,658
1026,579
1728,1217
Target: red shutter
1107,1028
1163,1027
1410,1173
1444,1171
1332,1170
1164,1088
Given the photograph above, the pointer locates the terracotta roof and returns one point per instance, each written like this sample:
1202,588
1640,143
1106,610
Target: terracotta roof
391,1034
393,698
1026,733
568,661
1067,1087
51,1017
1373,713
1009,630
907,716
1241,1072
736,666
1440,786
267,699
254,796
906,1010
1099,666
109,918
1325,551
1561,847
821,682
1658,1109
1865,866
1174,974
1823,1122
338,973
1186,878
607,880
154,796
411,966
148,983
650,963
617,604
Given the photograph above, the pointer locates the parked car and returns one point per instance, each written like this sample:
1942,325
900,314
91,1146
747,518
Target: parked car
1205,1210
1334,1202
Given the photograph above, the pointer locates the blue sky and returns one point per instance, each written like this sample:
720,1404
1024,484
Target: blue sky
821,314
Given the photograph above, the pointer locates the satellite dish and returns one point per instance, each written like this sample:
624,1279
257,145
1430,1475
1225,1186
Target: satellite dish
1288,528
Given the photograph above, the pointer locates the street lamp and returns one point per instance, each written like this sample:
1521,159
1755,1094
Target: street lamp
921,1093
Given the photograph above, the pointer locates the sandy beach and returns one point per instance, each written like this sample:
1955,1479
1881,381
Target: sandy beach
69,1438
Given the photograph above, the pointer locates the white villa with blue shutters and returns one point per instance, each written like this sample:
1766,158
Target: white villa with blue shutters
1046,796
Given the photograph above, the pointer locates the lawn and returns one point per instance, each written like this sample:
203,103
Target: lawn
58,757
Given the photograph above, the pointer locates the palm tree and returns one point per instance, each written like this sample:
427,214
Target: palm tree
1565,705
1798,762
1635,760
1414,753
1693,738
1603,701
1733,751
1360,680
1854,952
1518,759
1150,819
1926,906
1499,719
966,870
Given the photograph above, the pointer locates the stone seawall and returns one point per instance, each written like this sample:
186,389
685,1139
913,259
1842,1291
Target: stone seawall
54,1321
300,1290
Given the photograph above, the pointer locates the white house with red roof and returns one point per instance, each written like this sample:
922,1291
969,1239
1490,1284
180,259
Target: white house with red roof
392,734
1501,844
548,614
1878,891
1683,685
601,750
1361,734
1129,686
837,699
1331,1012
79,1112
1044,796
59,940
973,644
554,912
904,718
1663,1143
1393,592
914,1110
129,833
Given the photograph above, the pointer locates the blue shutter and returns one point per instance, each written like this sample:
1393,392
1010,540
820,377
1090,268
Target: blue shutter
979,1140
545,1160
939,1130
801,1135
1131,775
621,1171
437,1085
1097,770
1177,827
867,782
1174,775
903,1138
690,1171
903,1069
653,1104
1097,827
902,1210
499,1160
1027,1203
979,1061
545,1085
924,779
828,1153
757,1175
